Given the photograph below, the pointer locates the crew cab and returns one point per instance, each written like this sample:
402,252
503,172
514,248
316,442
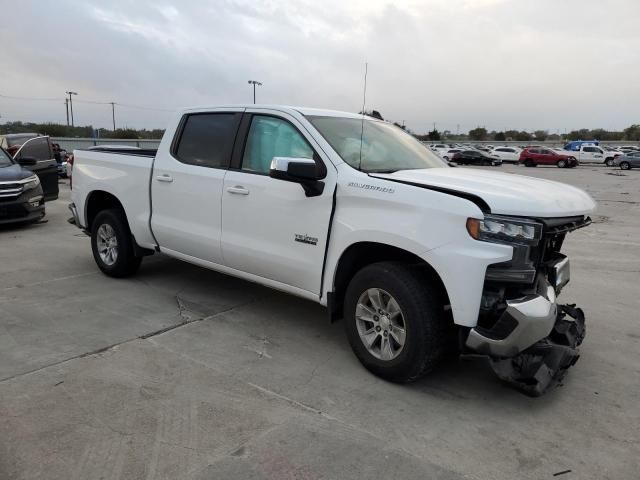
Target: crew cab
419,259
534,156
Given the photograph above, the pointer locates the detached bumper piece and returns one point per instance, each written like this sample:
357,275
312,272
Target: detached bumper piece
542,366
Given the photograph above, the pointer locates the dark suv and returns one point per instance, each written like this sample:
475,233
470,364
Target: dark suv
21,195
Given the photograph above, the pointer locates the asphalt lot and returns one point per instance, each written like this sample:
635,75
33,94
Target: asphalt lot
183,373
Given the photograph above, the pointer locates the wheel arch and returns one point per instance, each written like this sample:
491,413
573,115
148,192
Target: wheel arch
360,254
99,200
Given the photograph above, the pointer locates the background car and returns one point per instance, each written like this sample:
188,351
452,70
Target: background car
507,154
534,156
475,157
628,160
35,153
21,194
448,154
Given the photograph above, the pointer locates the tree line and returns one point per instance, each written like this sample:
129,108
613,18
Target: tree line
60,130
631,133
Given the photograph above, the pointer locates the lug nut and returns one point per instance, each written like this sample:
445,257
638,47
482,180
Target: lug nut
375,318
378,329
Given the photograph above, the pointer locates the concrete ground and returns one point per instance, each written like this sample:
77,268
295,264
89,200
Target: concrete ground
183,373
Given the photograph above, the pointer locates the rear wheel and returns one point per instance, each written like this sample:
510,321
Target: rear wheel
394,322
609,162
112,244
562,163
625,166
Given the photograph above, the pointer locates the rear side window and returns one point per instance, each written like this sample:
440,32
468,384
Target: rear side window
207,139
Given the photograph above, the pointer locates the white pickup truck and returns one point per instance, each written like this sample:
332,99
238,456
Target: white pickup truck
591,153
419,259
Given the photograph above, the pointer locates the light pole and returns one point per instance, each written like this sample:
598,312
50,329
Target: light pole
66,107
71,104
113,114
254,83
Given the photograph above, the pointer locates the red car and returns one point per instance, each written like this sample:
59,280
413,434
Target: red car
534,156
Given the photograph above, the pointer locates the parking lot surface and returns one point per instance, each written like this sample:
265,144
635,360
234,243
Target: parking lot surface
183,373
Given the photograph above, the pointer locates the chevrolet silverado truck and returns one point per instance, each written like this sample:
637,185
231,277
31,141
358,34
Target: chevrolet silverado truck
419,259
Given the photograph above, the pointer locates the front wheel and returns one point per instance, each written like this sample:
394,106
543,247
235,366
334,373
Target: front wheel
112,244
609,162
625,166
562,163
529,163
394,322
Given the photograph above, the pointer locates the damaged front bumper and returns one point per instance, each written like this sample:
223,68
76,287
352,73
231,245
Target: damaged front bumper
534,340
544,364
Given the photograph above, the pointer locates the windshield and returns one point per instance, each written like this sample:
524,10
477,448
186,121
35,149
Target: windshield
5,159
385,148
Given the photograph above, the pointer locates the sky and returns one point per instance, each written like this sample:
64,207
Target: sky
525,64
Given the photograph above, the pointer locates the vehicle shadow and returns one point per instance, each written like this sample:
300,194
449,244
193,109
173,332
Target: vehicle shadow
299,341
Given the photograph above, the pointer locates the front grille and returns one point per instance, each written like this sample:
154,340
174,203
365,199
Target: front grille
9,191
553,235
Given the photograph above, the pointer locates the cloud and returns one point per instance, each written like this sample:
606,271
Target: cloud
498,63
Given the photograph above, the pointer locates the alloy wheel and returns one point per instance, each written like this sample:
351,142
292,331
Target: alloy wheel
380,323
107,244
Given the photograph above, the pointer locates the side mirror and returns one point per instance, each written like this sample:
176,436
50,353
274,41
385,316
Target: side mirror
27,161
299,170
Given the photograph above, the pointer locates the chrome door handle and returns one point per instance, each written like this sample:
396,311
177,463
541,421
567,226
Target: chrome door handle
164,178
238,190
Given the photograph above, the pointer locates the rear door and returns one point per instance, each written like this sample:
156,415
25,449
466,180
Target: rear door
591,155
270,228
36,155
186,185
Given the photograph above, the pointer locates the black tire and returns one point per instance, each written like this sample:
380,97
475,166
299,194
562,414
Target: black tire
427,331
609,162
529,163
625,166
562,163
126,262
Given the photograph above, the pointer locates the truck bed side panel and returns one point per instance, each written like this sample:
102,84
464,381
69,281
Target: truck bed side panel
124,176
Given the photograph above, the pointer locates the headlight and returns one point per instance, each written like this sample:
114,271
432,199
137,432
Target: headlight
497,229
31,182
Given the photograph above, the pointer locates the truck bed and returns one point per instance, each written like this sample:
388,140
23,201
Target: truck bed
126,174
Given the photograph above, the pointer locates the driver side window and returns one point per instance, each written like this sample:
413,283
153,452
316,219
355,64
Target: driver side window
272,137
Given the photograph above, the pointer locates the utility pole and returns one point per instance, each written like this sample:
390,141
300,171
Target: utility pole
113,114
254,83
71,104
457,129
66,107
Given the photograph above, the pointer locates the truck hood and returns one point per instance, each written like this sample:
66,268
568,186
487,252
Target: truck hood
504,193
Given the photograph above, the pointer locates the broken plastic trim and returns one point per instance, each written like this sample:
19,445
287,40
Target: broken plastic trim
542,366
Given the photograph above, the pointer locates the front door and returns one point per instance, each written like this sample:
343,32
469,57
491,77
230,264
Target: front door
186,187
36,155
270,228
